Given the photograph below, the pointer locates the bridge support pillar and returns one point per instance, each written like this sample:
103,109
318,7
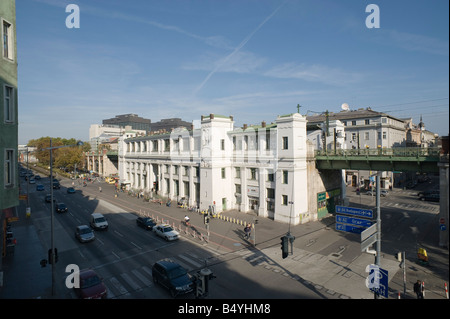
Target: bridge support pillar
444,201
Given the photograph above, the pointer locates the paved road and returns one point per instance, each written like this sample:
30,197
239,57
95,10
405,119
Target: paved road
325,263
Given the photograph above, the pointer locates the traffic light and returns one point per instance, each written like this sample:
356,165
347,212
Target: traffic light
50,257
285,246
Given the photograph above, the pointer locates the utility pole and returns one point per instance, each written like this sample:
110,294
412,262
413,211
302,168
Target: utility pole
378,251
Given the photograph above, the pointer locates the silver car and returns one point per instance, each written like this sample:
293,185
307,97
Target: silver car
84,234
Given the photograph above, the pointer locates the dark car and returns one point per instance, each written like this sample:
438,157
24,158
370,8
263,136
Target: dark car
40,187
173,277
48,198
61,208
431,197
56,185
91,285
71,190
145,222
84,234
427,193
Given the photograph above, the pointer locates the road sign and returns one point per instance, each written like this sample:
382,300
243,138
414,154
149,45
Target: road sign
349,228
442,221
368,242
366,213
443,227
368,232
377,281
353,221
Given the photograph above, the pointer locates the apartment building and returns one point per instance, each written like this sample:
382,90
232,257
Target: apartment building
366,128
9,180
263,168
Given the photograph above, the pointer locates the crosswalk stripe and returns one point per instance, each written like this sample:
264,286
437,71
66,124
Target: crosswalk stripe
189,260
122,290
141,277
130,281
147,270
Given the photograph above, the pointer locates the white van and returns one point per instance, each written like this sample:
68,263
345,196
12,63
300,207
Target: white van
98,221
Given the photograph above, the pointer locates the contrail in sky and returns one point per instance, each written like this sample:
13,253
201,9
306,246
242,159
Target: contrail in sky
244,42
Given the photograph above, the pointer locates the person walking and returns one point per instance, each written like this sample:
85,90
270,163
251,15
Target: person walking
418,289
247,230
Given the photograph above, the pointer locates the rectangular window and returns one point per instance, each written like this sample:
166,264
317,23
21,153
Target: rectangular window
384,135
285,143
9,168
7,40
367,122
267,140
285,177
270,177
284,200
253,173
222,145
366,136
271,193
9,104
353,122
238,172
223,173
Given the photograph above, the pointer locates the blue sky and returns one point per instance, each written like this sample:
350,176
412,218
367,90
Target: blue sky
253,59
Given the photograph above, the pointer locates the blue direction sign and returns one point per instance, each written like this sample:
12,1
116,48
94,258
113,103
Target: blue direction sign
366,213
377,280
353,221
349,228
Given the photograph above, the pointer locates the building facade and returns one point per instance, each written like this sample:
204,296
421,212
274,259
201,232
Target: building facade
260,168
9,179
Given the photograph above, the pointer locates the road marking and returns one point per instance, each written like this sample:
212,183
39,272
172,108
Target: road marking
142,278
130,281
137,246
118,285
118,233
189,260
115,254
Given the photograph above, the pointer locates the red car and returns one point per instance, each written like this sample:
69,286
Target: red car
91,285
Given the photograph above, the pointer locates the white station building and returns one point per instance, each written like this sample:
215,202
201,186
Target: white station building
268,169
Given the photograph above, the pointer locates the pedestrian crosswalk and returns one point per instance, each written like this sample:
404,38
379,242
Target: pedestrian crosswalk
127,285
411,206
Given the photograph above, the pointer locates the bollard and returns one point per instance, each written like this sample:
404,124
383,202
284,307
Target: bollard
446,290
399,295
423,288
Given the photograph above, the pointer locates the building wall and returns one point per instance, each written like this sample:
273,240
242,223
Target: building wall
260,168
9,194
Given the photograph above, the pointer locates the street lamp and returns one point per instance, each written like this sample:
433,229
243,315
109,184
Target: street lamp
52,253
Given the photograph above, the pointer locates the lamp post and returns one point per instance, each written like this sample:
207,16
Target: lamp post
52,254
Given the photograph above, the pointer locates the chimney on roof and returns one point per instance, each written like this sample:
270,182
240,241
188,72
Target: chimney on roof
263,124
211,116
245,127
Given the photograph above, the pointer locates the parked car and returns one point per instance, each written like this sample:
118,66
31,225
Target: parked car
166,231
61,208
32,181
56,185
40,187
98,221
37,177
383,192
84,234
145,222
172,276
71,190
91,285
431,197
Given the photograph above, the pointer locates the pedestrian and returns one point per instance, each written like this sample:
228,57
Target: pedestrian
100,189
418,289
247,231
